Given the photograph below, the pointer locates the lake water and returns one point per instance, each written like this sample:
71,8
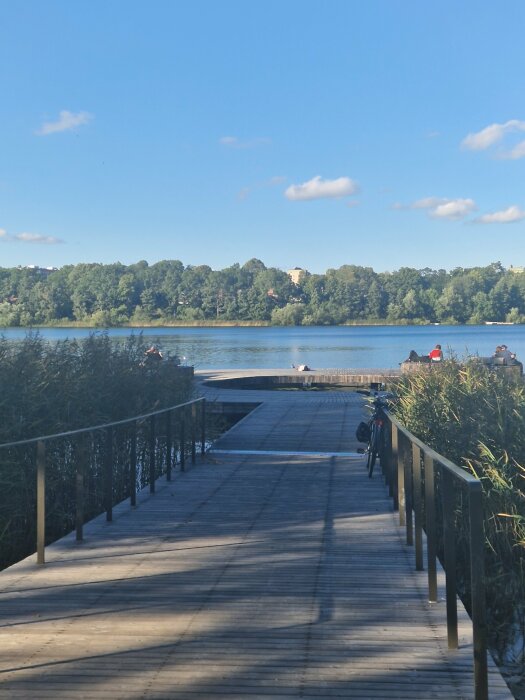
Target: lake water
319,347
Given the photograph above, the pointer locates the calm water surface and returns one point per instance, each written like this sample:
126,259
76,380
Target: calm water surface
339,347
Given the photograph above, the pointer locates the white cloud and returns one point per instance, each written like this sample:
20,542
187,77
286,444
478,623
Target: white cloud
481,140
454,209
37,238
234,142
28,238
505,216
65,122
443,208
515,153
317,188
429,203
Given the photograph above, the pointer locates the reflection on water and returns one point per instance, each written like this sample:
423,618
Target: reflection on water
326,347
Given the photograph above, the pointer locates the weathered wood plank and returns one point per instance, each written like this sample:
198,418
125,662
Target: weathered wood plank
249,576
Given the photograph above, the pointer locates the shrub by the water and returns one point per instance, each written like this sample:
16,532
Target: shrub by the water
476,418
51,388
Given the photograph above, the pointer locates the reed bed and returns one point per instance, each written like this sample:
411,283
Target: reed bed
51,388
476,418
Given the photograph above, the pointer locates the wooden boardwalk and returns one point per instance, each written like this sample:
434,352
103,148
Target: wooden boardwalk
252,575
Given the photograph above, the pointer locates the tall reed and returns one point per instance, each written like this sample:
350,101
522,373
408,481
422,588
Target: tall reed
476,418
51,388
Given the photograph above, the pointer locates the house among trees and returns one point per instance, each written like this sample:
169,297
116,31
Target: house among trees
297,274
516,270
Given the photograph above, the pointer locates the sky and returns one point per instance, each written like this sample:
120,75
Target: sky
389,133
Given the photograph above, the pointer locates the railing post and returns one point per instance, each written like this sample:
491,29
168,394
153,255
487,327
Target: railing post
168,446
450,557
40,502
203,426
109,474
477,582
394,462
401,478
409,490
193,431
182,439
133,465
418,505
430,512
80,471
152,440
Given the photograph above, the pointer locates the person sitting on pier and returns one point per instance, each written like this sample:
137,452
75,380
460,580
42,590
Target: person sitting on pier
153,353
436,355
507,355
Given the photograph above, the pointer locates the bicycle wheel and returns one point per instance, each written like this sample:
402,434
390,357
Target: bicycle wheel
371,450
374,451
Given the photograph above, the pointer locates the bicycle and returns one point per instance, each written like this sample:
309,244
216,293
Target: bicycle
376,433
375,428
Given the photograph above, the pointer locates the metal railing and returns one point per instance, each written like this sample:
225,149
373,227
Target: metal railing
164,435
437,497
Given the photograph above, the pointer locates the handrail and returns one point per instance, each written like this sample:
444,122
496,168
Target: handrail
168,457
457,471
102,426
410,467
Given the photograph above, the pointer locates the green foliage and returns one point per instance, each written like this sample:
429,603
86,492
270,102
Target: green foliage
476,418
166,292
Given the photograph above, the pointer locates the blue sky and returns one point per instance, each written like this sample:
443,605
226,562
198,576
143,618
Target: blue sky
385,133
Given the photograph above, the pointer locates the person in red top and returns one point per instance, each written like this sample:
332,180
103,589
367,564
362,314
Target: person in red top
436,354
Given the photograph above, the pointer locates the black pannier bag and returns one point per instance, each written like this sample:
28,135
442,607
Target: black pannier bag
363,432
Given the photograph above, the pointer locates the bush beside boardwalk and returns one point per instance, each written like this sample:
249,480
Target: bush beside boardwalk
52,388
476,418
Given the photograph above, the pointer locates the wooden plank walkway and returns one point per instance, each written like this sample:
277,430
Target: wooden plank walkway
251,575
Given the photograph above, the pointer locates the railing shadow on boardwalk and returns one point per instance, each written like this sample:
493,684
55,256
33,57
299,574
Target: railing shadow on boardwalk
404,463
94,468
288,645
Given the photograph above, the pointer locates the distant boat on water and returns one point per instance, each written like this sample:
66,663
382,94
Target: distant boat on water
499,323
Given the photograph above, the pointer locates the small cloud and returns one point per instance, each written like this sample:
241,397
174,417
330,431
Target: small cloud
37,238
28,238
234,142
442,207
454,210
65,122
429,203
515,153
505,216
481,140
433,134
317,188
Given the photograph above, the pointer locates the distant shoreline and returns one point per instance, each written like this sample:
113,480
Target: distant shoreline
246,324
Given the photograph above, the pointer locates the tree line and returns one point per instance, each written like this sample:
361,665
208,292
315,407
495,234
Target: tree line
169,292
